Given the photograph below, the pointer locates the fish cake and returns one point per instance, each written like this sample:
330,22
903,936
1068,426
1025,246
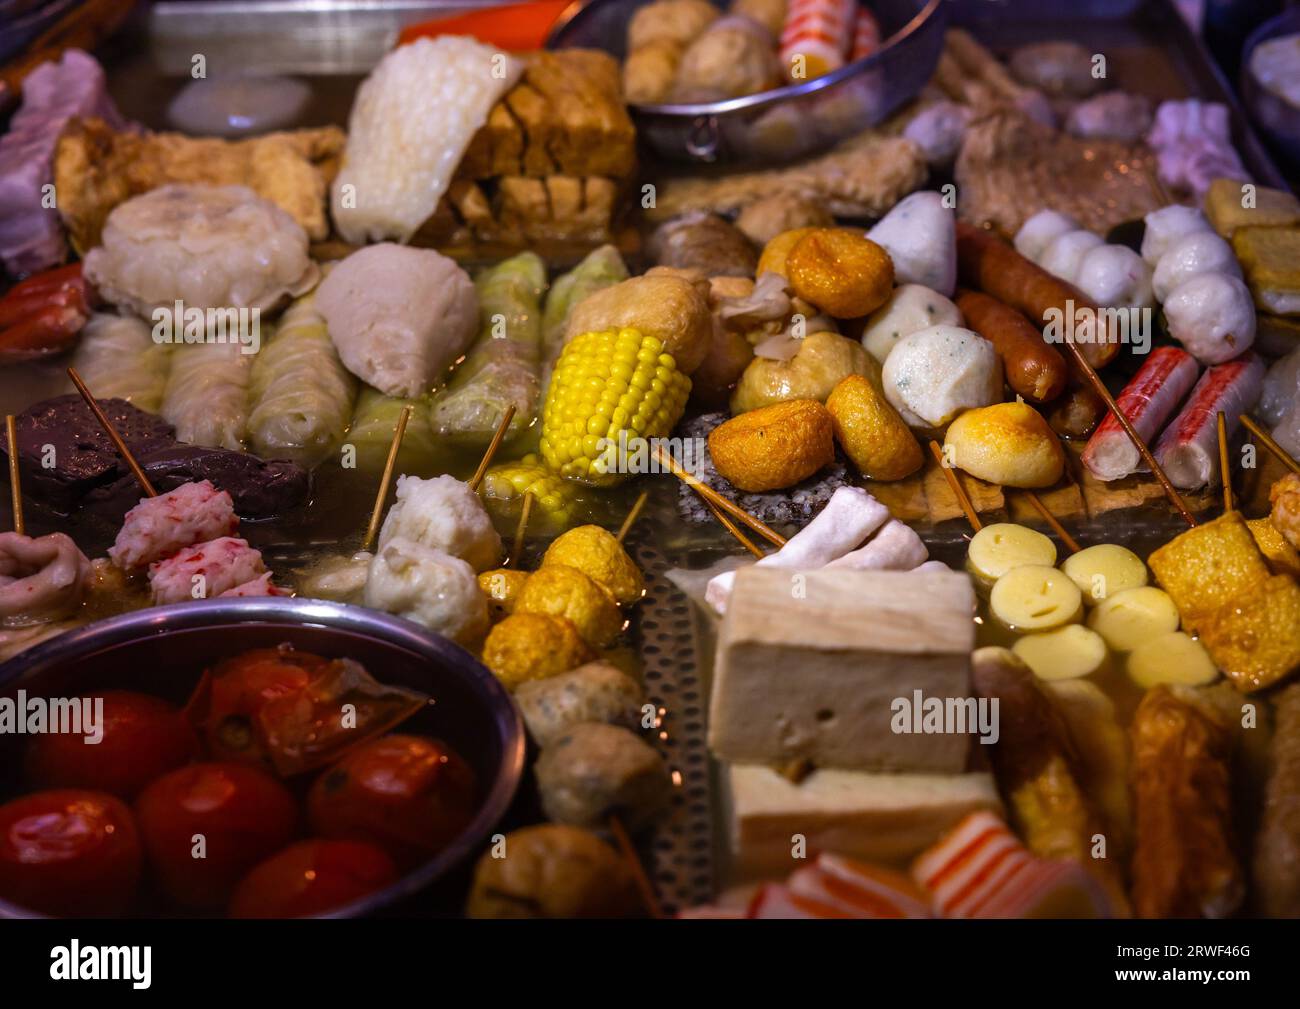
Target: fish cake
1214,565
1257,641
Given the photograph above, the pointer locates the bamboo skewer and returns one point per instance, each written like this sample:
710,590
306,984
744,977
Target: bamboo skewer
390,464
517,549
633,514
715,499
111,431
1224,473
1265,439
1099,387
963,498
15,480
497,438
1070,542
734,529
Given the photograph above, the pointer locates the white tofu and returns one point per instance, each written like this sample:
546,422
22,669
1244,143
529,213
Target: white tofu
881,818
811,664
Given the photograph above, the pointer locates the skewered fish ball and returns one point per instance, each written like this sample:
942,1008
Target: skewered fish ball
597,554
595,771
552,871
596,692
563,591
432,588
502,587
532,646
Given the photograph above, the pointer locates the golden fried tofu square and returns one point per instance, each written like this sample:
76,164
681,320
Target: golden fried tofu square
1256,641
1209,567
1271,207
1270,258
1282,557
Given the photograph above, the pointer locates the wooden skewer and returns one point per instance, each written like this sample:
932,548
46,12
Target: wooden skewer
15,484
517,551
1099,387
963,498
1224,473
385,481
643,884
1267,441
492,448
111,431
633,514
1070,542
717,500
734,529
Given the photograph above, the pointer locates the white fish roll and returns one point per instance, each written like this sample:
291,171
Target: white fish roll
896,547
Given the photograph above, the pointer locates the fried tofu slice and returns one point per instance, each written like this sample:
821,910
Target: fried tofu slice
1256,642
97,167
1211,566
1272,207
1282,557
1270,258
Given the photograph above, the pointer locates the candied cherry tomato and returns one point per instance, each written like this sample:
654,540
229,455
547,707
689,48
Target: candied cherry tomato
241,687
312,877
69,852
408,794
204,826
143,737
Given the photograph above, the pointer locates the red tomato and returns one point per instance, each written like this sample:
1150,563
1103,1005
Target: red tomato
241,687
143,737
69,852
232,815
312,877
407,794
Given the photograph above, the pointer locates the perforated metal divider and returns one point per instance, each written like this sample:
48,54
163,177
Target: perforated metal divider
678,851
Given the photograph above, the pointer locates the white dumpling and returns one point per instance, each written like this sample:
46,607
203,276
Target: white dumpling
1198,252
398,317
1164,227
1213,316
1064,253
935,373
432,588
920,235
1037,233
909,308
443,514
1114,276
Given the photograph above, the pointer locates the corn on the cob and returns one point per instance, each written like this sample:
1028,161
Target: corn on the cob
604,384
555,500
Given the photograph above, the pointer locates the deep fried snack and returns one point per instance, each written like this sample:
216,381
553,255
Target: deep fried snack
96,168
774,447
871,431
1183,862
841,272
532,646
1209,567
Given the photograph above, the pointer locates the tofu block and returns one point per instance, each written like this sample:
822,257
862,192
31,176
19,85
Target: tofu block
1273,207
1282,557
810,665
1209,567
880,818
1270,258
1256,642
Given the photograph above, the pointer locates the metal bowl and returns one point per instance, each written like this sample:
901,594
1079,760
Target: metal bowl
1279,120
163,651
783,123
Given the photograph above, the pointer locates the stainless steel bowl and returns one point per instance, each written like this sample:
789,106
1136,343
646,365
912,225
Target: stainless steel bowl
163,651
783,123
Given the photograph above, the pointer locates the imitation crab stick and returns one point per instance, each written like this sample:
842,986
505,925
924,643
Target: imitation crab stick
514,27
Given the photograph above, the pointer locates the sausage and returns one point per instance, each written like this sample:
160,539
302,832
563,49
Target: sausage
1147,401
994,267
1033,369
1188,451
1076,414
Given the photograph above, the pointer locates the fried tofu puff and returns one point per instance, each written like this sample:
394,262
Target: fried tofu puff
533,646
561,591
599,555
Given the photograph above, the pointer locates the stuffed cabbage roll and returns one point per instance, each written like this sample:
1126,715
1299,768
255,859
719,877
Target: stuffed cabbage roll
206,396
371,434
504,364
302,396
118,359
601,268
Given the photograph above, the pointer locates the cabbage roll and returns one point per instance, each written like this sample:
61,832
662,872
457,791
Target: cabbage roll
302,396
373,424
601,268
118,359
504,364
206,396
